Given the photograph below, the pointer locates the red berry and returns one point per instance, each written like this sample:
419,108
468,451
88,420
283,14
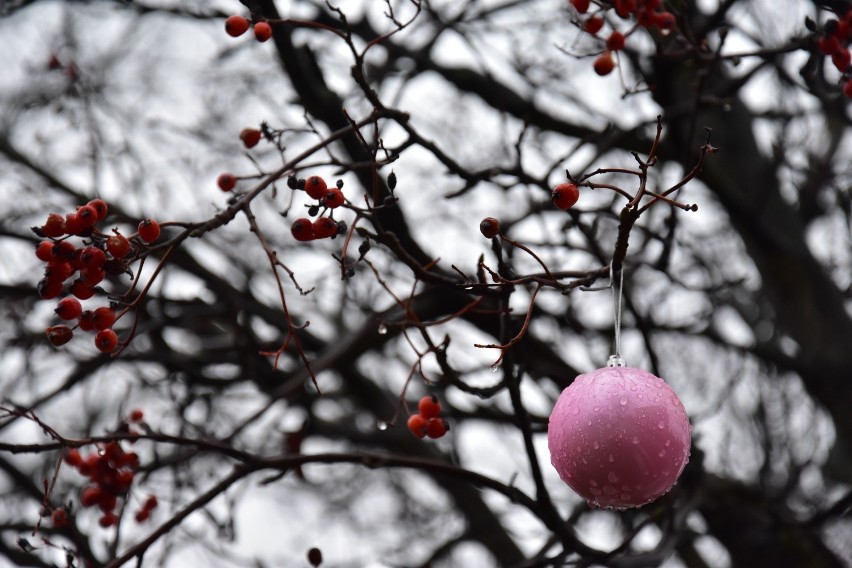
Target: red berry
333,198
82,289
93,276
604,64
106,340
142,516
58,270
645,17
664,20
90,496
324,227
100,206
302,229
582,6
43,250
262,31
841,59
847,88
429,407
103,318
437,427
151,502
124,480
92,257
59,517
149,230
118,246
418,425
87,468
489,227
250,137
624,8
49,288
829,45
113,453
109,519
107,502
73,225
314,556
59,335
54,226
131,460
593,25
615,41
87,216
565,195
236,26
136,415
226,181
315,186
63,250
68,308
73,458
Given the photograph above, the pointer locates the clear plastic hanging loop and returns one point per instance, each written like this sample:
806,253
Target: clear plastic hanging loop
616,284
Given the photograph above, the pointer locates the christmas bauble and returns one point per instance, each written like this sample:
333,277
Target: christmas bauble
619,436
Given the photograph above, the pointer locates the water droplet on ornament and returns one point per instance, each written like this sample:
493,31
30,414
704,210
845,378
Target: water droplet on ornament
662,453
625,497
661,425
382,425
576,411
623,401
593,483
668,443
635,439
597,409
612,477
596,445
495,367
611,458
383,329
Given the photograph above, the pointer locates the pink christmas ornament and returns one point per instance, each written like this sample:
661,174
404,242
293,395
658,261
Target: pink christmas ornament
619,436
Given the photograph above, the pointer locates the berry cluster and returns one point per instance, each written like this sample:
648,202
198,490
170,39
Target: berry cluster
148,505
250,138
83,266
648,14
327,199
565,195
834,42
111,472
428,421
236,26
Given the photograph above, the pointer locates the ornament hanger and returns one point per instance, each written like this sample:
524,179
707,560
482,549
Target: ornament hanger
615,360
